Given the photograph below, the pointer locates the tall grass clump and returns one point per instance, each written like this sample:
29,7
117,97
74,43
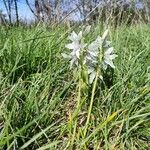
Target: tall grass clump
46,105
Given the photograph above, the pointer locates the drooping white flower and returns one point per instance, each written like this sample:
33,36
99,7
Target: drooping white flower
76,46
100,48
92,58
108,58
93,50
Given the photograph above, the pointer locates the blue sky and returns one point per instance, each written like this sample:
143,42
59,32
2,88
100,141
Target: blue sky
23,9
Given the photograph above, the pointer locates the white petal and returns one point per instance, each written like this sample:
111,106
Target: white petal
76,63
87,30
90,59
109,51
83,45
94,61
99,40
72,62
80,35
93,53
95,44
70,46
73,53
78,53
113,56
107,44
84,61
105,34
101,77
90,70
92,46
109,62
104,65
65,55
73,37
92,77
74,45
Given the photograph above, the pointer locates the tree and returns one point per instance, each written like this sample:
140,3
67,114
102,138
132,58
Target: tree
40,8
7,4
3,19
31,9
146,4
16,10
47,10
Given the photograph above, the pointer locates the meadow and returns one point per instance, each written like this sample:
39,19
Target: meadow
38,92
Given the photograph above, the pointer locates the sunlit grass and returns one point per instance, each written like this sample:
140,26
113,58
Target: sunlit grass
38,93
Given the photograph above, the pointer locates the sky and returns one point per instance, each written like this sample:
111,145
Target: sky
25,13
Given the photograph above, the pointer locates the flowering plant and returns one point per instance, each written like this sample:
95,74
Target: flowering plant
91,60
98,54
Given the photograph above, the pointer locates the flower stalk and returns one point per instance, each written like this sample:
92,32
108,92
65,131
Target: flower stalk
91,101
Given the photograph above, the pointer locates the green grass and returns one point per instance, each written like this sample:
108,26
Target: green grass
38,92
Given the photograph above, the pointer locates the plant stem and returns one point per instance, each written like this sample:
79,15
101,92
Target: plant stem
76,113
91,102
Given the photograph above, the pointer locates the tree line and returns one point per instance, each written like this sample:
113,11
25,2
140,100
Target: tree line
104,11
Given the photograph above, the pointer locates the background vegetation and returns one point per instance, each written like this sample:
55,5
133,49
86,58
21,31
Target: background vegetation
38,92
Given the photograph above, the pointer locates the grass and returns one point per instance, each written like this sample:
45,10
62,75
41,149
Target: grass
38,92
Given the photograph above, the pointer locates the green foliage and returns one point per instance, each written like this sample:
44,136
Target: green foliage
37,93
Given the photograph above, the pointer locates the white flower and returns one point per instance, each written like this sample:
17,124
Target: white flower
108,58
93,53
76,46
107,44
91,57
75,37
93,50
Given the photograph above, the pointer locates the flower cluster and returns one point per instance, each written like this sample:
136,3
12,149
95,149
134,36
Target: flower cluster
76,46
98,54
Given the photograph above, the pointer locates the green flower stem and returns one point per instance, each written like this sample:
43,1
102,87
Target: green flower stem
76,112
79,91
91,102
80,97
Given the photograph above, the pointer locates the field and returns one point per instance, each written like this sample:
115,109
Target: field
38,92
